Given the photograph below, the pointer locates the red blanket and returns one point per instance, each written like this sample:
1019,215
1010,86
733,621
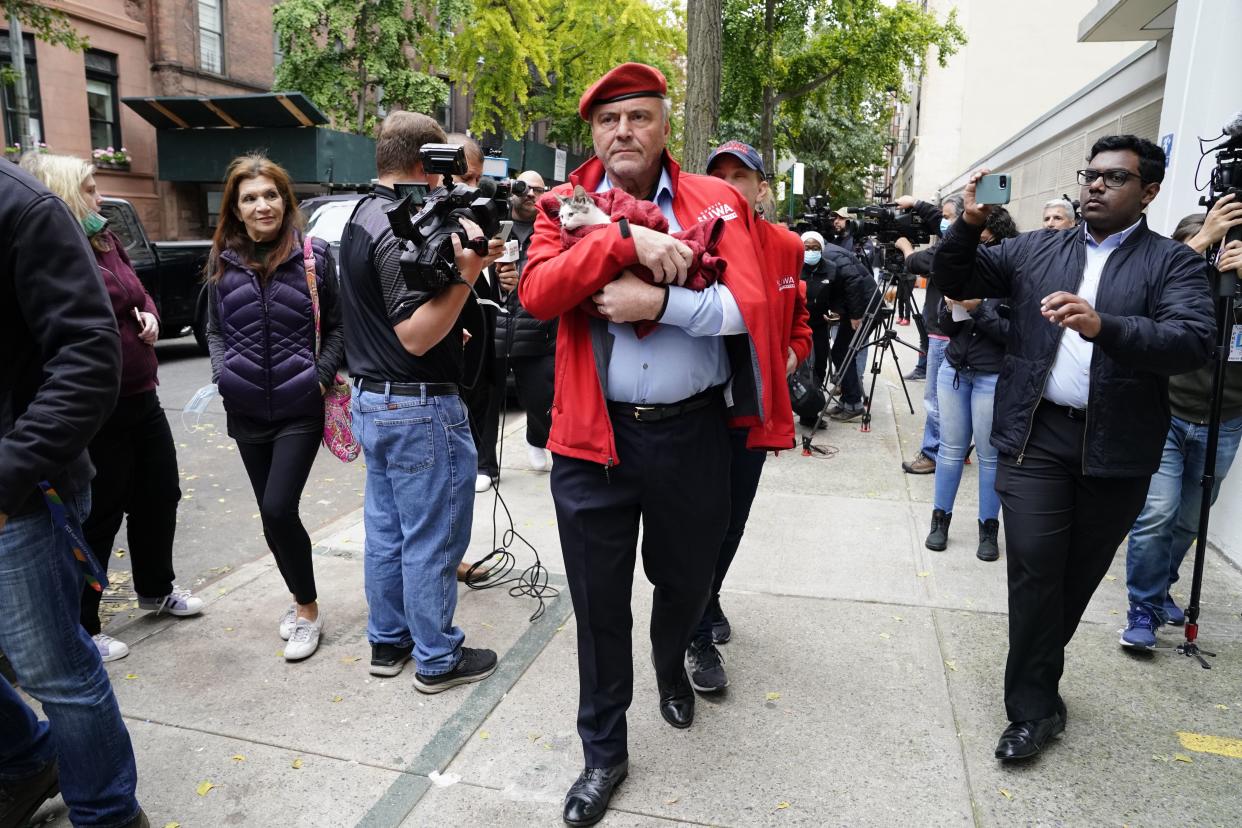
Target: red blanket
705,268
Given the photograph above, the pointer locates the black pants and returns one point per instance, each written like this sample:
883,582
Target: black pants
136,476
278,471
851,383
745,469
822,348
905,298
1062,529
673,477
534,377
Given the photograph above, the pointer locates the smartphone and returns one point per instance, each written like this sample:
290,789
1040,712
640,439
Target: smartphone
506,227
994,189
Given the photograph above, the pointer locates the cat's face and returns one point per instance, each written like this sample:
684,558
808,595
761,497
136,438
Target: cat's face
579,210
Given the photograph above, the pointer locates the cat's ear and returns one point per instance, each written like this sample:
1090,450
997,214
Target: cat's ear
579,193
564,199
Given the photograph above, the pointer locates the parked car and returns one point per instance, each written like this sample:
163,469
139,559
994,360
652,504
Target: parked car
171,271
326,217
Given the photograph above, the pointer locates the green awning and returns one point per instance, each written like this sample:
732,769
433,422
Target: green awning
273,109
310,156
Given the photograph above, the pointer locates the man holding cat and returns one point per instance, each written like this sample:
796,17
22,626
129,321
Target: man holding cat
640,424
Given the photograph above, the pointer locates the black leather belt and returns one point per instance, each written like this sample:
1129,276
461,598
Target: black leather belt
664,411
408,389
1065,410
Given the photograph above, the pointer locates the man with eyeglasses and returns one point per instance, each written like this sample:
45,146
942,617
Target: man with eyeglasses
1100,319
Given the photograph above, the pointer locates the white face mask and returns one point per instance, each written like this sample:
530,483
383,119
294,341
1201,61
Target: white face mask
812,257
945,224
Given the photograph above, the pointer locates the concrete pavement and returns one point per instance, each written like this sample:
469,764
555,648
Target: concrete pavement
866,685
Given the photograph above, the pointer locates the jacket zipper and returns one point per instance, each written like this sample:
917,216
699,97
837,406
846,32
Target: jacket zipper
267,347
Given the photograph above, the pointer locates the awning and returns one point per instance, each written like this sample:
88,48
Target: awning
273,109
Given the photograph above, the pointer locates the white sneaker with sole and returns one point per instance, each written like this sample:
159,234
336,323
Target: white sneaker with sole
179,602
538,457
287,621
109,648
305,638
482,483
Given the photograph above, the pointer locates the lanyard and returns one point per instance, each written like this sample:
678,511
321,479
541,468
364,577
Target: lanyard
96,577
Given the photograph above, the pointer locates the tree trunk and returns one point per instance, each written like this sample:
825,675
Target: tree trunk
362,70
768,115
704,21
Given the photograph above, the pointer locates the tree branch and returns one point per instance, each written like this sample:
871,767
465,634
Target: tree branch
808,87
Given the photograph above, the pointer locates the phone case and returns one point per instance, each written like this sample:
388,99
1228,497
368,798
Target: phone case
994,189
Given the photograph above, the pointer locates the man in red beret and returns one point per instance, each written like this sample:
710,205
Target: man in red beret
640,426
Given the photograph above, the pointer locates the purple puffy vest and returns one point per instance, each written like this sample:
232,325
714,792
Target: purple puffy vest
269,333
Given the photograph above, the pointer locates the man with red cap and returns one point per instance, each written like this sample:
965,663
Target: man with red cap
640,425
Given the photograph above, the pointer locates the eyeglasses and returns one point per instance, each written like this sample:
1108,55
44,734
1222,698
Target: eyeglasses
1113,179
536,191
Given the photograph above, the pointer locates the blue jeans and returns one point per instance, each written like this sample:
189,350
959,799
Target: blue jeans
931,427
965,399
419,505
1167,526
58,664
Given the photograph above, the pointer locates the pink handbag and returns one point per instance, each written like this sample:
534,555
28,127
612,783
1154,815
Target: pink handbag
338,422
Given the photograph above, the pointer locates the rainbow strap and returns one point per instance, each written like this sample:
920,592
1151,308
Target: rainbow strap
96,577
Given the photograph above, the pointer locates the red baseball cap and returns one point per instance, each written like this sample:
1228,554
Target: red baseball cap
629,80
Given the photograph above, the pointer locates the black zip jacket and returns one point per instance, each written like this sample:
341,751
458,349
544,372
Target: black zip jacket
977,343
530,337
920,263
1156,318
838,283
59,346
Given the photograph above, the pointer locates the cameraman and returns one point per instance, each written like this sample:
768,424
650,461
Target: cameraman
842,235
405,349
933,340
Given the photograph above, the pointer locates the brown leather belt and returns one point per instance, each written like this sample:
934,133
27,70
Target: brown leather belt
664,411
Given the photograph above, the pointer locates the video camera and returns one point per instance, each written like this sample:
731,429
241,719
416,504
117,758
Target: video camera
888,225
428,221
818,217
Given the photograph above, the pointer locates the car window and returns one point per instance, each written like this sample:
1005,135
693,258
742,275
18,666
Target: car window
124,223
329,220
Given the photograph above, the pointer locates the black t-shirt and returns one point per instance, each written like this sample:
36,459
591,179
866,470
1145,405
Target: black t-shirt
374,298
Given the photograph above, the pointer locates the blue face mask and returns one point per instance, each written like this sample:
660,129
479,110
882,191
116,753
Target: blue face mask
944,226
812,257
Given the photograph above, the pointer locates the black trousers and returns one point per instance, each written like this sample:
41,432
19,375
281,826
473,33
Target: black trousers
822,347
278,471
745,469
135,463
1062,529
534,377
673,478
851,383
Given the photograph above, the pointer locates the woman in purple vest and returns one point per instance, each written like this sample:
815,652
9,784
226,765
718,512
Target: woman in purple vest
133,453
261,334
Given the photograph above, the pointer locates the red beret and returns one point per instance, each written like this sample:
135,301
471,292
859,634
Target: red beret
629,80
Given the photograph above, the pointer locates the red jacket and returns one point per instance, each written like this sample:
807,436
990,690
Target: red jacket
555,281
780,253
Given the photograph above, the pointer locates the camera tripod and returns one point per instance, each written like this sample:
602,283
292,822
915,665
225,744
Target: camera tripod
875,331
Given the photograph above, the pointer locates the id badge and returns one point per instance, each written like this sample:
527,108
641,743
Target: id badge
1235,344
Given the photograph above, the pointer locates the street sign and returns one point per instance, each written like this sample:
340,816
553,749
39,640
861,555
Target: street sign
1166,144
561,158
799,178
780,191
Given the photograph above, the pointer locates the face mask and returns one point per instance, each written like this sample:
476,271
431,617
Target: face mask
93,224
812,257
944,226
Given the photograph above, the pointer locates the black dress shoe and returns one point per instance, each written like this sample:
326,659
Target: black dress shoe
677,701
1023,740
20,799
588,798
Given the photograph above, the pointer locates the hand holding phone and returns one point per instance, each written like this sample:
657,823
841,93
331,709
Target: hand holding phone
994,189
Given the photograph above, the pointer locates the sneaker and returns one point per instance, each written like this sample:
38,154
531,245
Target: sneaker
388,659
179,602
305,638
916,374
1176,617
721,630
1140,631
22,798
938,537
989,549
705,666
482,483
903,320
109,648
538,457
474,665
921,464
287,621
847,414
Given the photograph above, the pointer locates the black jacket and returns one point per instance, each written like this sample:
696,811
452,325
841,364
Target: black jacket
839,283
977,343
531,337
1157,319
920,263
59,346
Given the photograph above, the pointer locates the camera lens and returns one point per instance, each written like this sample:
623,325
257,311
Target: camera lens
1004,181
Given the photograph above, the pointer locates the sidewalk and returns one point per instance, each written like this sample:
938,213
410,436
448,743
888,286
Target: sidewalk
866,685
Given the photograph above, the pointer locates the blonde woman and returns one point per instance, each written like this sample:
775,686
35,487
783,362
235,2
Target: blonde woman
133,453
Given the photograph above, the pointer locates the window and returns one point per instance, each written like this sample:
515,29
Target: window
211,36
11,132
102,100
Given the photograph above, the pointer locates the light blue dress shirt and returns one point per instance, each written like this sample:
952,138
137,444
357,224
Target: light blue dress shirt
1069,382
685,353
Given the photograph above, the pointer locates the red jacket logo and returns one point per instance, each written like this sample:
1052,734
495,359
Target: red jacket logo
718,210
787,283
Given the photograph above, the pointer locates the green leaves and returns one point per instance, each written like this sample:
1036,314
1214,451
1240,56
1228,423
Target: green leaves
45,23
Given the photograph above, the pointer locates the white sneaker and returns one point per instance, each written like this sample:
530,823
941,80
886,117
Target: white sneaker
179,602
482,483
538,457
109,648
305,638
287,621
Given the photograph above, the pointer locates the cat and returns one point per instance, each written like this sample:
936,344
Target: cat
580,210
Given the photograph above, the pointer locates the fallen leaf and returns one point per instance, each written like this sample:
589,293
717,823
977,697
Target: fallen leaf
336,699
885,635
923,574
672,801
1181,757
898,618
483,734
773,696
228,629
1006,794
1222,707
952,665
349,659
172,825
120,553
780,806
204,787
297,764
1110,577
488,626
131,676
237,757
1159,758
